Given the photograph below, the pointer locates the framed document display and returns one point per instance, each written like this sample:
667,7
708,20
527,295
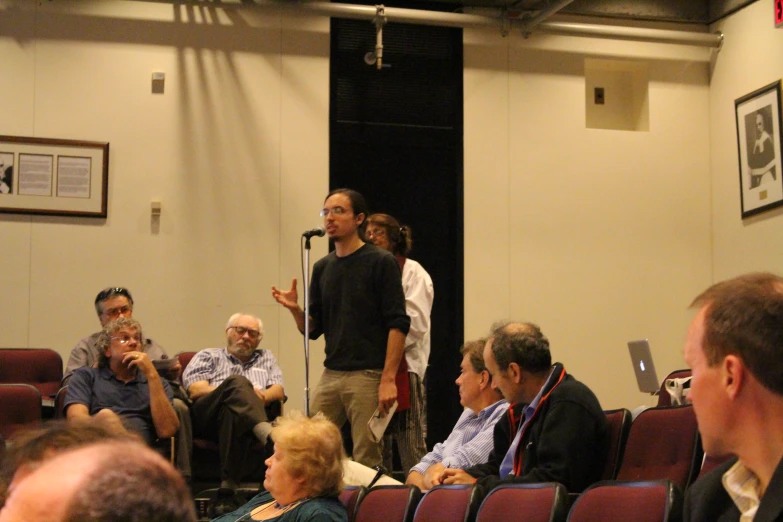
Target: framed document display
53,177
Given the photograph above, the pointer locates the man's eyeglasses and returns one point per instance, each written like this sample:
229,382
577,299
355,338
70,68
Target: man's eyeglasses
125,339
241,330
111,292
116,312
335,211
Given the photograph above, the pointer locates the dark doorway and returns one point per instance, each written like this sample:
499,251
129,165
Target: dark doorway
396,137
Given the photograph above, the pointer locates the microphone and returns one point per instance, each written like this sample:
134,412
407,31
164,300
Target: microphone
318,232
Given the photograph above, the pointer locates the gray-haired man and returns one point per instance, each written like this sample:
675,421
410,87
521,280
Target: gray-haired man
230,387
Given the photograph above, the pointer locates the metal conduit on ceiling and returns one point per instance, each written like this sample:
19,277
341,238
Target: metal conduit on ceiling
499,21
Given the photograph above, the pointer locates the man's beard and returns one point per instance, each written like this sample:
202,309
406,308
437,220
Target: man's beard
241,349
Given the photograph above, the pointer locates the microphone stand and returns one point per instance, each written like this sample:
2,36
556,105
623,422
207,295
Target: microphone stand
306,281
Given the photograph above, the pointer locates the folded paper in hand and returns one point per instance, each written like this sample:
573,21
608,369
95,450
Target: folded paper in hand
377,424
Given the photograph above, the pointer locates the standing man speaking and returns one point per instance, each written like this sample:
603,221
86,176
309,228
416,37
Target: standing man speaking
357,303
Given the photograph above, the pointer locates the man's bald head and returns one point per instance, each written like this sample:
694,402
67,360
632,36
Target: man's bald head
512,328
118,481
521,343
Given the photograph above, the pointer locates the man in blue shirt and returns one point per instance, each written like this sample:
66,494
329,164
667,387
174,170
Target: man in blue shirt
470,442
110,304
125,389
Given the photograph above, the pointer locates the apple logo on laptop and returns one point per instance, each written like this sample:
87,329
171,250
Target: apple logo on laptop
641,365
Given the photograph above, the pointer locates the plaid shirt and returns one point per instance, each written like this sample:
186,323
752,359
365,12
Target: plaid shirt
214,365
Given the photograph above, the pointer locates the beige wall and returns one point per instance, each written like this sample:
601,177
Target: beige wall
236,149
599,236
749,60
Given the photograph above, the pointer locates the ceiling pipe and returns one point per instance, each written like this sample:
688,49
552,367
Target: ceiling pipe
714,40
393,14
415,16
460,20
537,20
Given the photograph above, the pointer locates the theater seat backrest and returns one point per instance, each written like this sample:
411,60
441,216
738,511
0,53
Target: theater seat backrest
38,367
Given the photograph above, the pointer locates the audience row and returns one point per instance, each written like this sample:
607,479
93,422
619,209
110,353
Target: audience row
552,428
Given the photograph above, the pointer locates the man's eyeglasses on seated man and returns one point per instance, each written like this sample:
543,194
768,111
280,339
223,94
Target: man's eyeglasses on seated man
125,339
241,330
116,312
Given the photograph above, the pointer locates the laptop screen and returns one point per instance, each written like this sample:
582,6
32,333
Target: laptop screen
643,366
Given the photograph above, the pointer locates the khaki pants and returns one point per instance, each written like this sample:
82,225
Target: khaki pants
353,397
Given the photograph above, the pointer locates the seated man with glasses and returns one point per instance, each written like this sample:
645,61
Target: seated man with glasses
110,304
229,388
113,303
125,389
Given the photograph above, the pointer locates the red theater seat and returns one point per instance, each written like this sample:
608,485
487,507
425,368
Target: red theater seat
38,367
21,408
656,501
663,444
543,502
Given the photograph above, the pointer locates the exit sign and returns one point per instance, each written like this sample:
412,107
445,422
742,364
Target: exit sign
778,13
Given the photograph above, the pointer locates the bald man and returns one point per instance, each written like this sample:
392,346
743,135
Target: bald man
118,481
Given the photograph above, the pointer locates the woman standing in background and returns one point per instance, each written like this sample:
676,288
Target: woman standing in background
409,425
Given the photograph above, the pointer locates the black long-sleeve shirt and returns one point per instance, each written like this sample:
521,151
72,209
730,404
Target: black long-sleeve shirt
354,301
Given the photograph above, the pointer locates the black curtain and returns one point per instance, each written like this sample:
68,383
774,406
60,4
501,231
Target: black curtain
396,136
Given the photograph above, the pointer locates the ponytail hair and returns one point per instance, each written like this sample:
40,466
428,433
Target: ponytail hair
400,236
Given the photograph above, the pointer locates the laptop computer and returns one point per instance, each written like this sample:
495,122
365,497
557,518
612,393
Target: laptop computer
643,366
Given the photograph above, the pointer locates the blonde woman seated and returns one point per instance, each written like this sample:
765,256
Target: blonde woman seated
303,476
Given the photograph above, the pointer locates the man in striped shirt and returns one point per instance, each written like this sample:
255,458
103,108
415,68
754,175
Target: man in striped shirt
470,442
229,388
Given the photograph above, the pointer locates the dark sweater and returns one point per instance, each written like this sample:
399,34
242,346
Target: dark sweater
566,441
708,501
354,301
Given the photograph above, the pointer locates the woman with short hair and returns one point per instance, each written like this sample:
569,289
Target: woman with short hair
303,476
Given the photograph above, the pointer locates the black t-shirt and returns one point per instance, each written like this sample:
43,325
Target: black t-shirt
354,301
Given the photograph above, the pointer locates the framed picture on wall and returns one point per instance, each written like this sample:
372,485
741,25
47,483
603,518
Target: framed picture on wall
759,143
53,177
